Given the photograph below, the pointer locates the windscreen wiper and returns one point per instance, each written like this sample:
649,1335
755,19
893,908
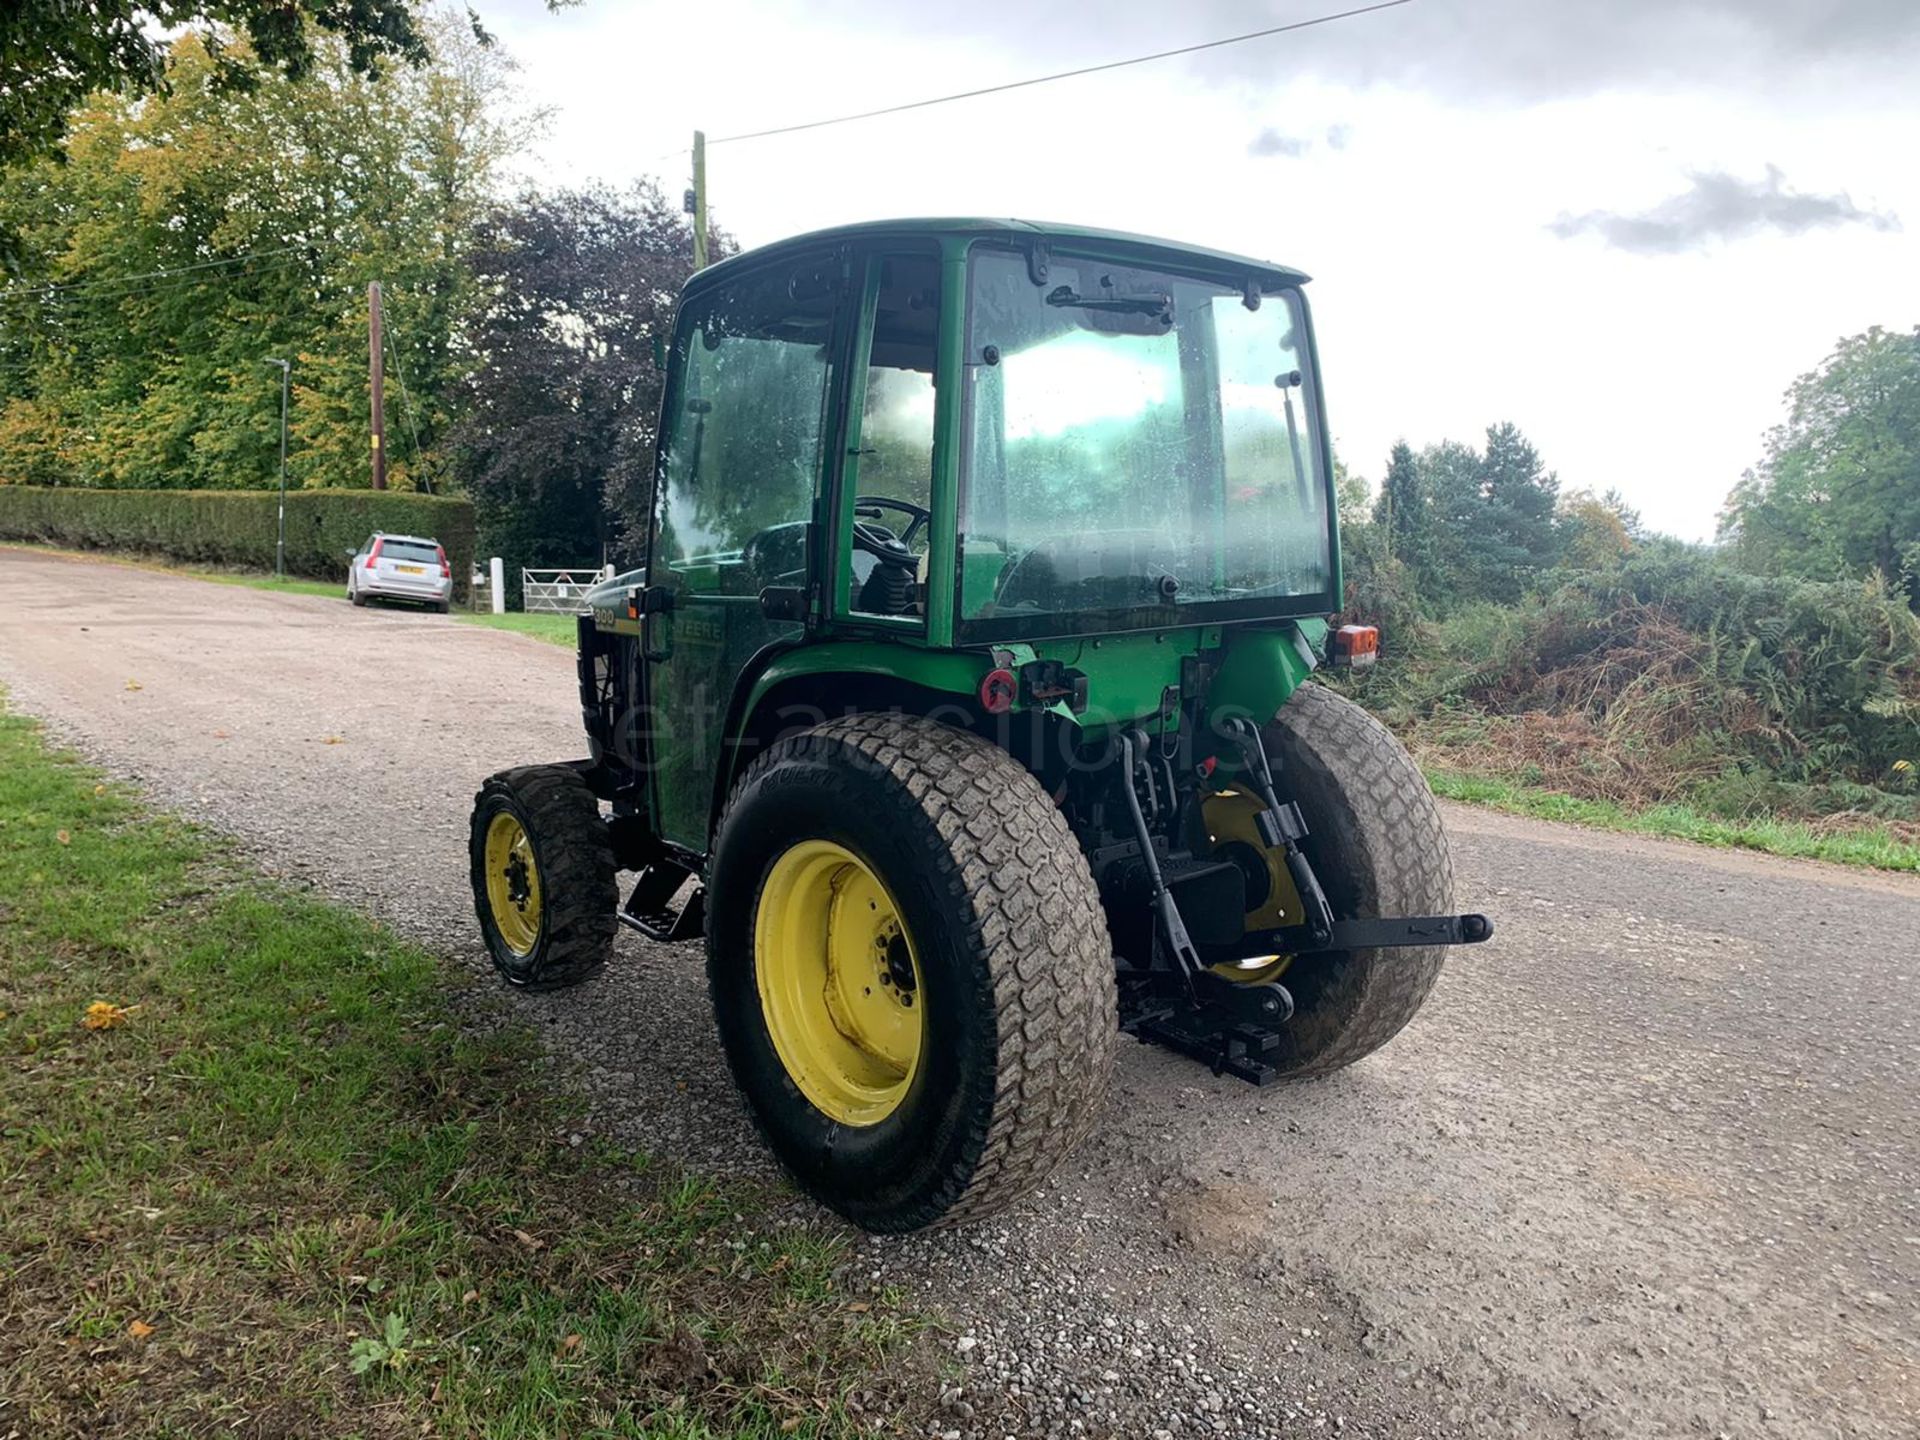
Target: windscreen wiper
1066,295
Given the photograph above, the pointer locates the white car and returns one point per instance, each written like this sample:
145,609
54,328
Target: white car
401,567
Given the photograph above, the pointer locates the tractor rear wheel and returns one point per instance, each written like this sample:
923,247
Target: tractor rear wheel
1378,847
909,968
543,876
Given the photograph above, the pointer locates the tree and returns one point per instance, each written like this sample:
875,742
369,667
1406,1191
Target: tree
1402,511
54,53
576,286
1839,489
1521,495
1460,547
190,235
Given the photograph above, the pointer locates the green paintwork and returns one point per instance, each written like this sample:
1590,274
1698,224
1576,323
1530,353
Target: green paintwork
957,672
1126,674
1258,671
952,672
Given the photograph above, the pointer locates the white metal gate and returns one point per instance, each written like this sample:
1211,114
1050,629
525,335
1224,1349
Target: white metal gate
558,592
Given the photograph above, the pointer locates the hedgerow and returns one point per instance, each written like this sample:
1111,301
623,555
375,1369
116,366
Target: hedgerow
236,527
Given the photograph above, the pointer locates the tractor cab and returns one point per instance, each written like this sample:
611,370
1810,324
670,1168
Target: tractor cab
988,563
967,435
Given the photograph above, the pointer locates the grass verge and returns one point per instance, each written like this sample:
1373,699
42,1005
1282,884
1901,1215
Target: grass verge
555,629
1856,845
254,1181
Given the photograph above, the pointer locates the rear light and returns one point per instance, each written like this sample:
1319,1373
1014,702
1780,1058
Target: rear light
374,553
446,570
1354,647
997,689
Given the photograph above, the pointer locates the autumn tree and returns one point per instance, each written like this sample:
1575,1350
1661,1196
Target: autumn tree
189,236
1596,531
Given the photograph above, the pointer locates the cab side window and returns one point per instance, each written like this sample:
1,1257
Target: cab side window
892,463
743,452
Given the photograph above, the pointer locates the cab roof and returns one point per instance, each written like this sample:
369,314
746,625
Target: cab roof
1145,248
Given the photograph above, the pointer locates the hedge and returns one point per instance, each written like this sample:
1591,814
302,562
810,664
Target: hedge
236,527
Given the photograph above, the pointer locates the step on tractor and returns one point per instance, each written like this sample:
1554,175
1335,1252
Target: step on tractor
963,706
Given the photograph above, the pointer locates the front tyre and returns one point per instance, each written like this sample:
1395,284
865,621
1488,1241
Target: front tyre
1378,848
542,869
909,968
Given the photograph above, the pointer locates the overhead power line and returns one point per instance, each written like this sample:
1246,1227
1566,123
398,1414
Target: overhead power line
1065,74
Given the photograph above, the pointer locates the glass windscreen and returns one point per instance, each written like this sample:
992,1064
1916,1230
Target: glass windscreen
1135,439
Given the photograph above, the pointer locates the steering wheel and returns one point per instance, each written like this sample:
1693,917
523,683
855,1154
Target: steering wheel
878,540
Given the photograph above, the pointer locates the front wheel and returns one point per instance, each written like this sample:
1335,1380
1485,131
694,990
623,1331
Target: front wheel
909,969
543,873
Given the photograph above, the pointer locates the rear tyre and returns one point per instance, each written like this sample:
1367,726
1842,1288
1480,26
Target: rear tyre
543,876
356,597
909,968
442,606
1378,847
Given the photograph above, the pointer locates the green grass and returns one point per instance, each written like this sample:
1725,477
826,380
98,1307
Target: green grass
292,1193
1863,845
554,629
329,589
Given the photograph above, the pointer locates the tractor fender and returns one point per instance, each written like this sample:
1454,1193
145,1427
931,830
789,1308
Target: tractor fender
789,685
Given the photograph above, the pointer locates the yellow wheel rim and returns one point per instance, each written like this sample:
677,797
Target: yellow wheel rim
513,883
839,982
1229,818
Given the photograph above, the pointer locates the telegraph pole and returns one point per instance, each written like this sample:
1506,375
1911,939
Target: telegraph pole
280,541
376,356
699,200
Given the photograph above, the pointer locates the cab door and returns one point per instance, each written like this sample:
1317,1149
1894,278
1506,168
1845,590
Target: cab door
747,438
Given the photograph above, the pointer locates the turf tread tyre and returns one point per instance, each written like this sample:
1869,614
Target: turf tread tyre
1018,895
1379,847
574,856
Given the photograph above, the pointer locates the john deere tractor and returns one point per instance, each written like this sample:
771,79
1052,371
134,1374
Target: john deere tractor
963,706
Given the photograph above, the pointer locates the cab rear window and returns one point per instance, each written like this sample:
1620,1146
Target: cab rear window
409,553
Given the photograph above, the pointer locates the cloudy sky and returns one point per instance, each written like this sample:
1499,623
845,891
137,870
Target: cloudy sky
1625,227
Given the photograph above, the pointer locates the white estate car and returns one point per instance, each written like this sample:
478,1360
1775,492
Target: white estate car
401,567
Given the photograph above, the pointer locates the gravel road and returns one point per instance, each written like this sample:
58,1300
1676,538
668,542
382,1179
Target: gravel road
1647,1165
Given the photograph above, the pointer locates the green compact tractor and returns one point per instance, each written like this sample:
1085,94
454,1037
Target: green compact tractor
963,705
